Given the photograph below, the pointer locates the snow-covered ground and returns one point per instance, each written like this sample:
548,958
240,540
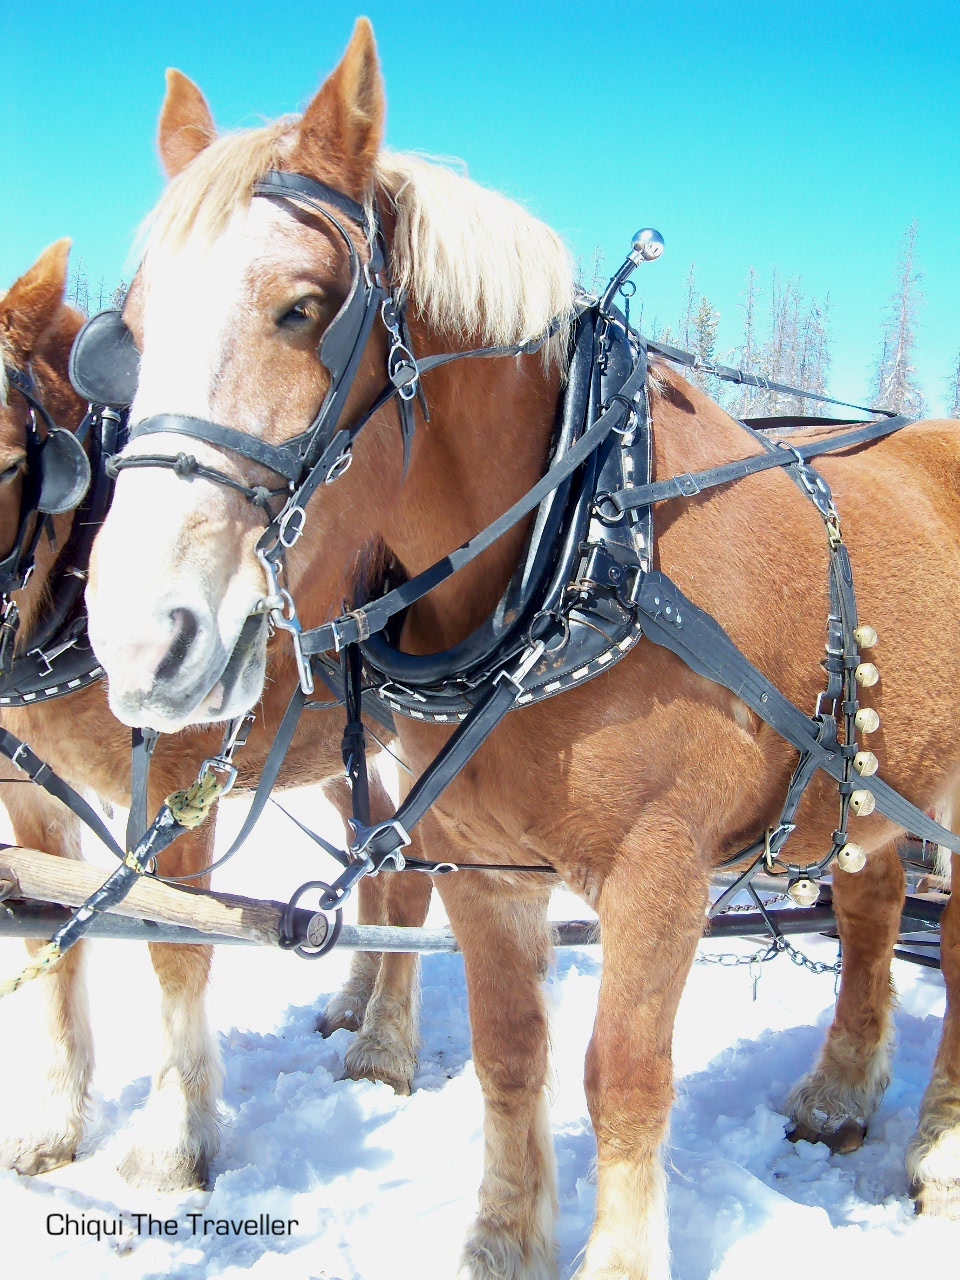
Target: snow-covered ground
383,1188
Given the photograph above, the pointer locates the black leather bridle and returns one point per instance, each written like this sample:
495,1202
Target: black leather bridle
55,479
323,452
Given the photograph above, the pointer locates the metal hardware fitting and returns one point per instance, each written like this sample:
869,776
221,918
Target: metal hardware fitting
361,849
280,608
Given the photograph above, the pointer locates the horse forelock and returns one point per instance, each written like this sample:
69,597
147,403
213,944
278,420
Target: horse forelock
474,264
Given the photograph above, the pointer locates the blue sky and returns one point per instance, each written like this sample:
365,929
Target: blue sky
802,136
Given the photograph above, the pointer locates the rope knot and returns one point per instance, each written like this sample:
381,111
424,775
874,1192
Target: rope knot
260,496
186,465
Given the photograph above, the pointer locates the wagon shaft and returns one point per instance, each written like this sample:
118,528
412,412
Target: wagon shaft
222,916
158,912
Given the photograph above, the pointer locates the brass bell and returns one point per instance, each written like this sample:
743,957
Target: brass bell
804,891
867,674
867,720
851,858
862,803
865,637
866,763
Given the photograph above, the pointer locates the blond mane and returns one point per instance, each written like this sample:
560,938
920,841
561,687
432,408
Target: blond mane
475,265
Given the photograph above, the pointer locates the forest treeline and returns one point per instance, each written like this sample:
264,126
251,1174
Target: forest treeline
784,336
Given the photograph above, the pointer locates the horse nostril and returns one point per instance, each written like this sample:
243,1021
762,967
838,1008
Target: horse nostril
187,625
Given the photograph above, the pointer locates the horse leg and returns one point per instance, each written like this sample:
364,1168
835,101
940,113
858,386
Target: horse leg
382,995
176,1135
933,1158
651,912
345,1011
45,1132
388,1042
836,1101
506,947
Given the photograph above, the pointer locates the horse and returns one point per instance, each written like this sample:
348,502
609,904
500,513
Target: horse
632,786
177,1134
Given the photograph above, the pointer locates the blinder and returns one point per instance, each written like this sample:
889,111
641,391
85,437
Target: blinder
58,464
104,361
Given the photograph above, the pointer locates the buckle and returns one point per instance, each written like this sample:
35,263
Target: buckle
367,835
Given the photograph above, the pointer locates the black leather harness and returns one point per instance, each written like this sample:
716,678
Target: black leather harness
60,475
585,591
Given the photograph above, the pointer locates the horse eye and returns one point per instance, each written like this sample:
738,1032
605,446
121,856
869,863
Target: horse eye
300,315
9,473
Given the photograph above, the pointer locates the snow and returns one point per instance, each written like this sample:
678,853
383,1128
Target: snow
382,1186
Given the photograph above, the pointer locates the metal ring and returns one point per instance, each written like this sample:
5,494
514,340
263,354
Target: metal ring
340,467
287,937
628,289
564,629
601,515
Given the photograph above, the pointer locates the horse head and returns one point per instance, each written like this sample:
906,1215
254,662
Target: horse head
37,405
229,310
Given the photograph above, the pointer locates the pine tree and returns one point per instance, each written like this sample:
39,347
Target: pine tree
746,354
119,295
895,383
78,288
687,326
953,390
814,354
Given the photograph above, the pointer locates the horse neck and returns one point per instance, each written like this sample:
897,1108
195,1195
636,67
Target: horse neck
486,443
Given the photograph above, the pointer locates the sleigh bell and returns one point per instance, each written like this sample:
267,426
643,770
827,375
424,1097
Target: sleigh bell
862,803
866,763
851,858
867,674
804,891
867,720
865,637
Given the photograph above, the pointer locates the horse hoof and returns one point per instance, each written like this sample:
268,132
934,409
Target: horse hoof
381,1064
32,1157
165,1171
938,1200
841,1141
342,1018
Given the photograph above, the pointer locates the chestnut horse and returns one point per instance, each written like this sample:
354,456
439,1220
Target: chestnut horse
77,735
633,785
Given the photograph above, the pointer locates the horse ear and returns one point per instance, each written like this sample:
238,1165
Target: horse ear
33,302
186,123
342,129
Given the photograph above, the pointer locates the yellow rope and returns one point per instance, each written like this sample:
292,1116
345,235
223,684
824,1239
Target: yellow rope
41,963
191,807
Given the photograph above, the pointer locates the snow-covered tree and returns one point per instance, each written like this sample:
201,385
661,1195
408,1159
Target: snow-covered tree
953,390
746,397
895,383
78,288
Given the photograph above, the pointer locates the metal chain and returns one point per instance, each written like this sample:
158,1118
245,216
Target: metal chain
777,946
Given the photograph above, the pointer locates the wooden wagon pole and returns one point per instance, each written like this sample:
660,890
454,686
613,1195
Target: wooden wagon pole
159,912
36,876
